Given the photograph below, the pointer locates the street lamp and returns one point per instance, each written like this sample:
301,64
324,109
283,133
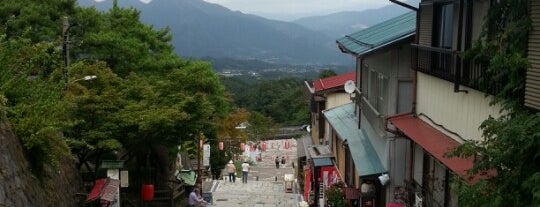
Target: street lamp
86,78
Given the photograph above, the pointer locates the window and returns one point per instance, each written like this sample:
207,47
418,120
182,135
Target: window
378,85
442,38
444,15
381,94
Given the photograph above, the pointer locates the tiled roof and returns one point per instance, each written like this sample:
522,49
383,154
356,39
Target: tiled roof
380,35
333,82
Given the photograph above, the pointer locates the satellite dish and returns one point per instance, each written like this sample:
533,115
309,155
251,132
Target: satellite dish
349,86
384,178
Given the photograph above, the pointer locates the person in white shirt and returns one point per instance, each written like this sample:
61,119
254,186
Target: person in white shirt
245,170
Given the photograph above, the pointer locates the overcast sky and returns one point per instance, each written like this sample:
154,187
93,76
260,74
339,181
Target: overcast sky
293,9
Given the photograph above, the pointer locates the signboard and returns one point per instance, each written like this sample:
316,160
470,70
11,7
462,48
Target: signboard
124,179
206,155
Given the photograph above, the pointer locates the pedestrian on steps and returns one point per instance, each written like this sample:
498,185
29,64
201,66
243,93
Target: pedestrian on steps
245,171
231,169
277,162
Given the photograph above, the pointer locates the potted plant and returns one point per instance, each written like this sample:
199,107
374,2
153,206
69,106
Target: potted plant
335,196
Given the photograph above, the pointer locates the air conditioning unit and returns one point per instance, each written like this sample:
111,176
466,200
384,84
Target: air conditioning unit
418,199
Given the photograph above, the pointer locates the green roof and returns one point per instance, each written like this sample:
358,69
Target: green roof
343,121
380,35
324,161
112,164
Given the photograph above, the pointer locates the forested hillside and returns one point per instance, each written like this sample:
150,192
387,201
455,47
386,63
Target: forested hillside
282,100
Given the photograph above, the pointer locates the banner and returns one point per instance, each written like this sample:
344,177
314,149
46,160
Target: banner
206,155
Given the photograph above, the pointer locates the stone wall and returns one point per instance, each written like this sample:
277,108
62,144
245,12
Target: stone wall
20,187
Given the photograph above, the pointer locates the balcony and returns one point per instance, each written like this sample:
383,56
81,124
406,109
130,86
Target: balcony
448,65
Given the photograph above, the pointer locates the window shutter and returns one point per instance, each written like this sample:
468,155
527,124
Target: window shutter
532,86
425,23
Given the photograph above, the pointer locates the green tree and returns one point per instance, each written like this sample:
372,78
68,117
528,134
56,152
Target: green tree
327,73
261,127
32,98
282,100
511,142
88,105
33,19
123,42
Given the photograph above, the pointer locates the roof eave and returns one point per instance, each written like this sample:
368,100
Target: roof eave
344,49
387,44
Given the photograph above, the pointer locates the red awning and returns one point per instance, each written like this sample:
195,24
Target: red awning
307,183
435,143
96,190
104,189
351,193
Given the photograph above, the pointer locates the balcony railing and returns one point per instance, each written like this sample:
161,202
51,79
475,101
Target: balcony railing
448,65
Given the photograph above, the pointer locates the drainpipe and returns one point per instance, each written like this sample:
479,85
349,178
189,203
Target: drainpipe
358,96
458,61
414,77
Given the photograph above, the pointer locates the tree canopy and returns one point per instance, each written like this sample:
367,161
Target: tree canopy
281,100
143,95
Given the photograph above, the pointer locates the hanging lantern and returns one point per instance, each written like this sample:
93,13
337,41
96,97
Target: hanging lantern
263,146
242,145
147,192
220,146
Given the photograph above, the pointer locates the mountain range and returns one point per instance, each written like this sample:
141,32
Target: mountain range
344,23
202,29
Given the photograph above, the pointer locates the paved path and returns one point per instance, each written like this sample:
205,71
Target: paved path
264,192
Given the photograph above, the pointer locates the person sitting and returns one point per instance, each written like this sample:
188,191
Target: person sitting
195,199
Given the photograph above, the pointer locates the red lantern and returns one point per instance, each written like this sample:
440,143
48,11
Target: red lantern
220,146
242,146
147,192
263,146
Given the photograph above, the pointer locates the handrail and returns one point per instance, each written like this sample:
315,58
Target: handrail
371,106
434,49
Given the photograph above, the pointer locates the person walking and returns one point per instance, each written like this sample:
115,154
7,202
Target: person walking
283,160
231,169
277,162
245,171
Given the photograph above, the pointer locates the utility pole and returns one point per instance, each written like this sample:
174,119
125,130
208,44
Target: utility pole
200,144
65,46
